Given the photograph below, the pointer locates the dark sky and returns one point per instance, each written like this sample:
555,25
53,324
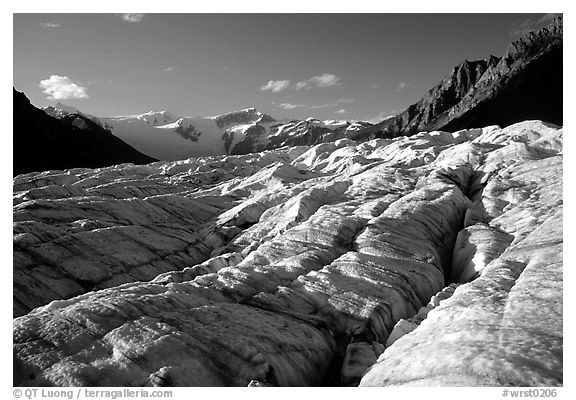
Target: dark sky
339,66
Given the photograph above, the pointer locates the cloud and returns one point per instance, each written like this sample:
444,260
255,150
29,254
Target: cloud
335,103
325,105
276,86
288,106
341,112
324,80
61,88
401,86
169,69
531,24
99,82
49,25
132,18
548,17
383,115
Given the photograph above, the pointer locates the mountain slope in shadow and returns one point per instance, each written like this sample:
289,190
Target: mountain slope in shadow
526,83
42,142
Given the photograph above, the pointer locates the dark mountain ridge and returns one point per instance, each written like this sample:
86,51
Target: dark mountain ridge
42,142
526,83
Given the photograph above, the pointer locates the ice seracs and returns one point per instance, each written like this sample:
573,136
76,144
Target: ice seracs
296,266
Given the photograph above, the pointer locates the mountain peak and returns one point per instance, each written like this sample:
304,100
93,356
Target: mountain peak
526,83
244,116
60,110
248,111
156,118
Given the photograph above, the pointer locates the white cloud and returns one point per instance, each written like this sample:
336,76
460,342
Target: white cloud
49,25
324,80
334,103
340,112
61,88
401,86
318,106
289,106
276,86
99,82
132,17
548,17
531,24
169,69
383,115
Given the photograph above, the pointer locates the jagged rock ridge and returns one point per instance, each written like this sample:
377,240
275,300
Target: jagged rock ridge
293,266
526,83
42,142
449,92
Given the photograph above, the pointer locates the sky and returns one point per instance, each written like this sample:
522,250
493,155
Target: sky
329,66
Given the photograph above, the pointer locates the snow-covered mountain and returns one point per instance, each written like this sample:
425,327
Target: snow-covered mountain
165,135
169,137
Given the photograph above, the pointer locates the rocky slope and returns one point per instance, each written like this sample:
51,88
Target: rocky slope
441,98
169,137
42,142
526,83
297,266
